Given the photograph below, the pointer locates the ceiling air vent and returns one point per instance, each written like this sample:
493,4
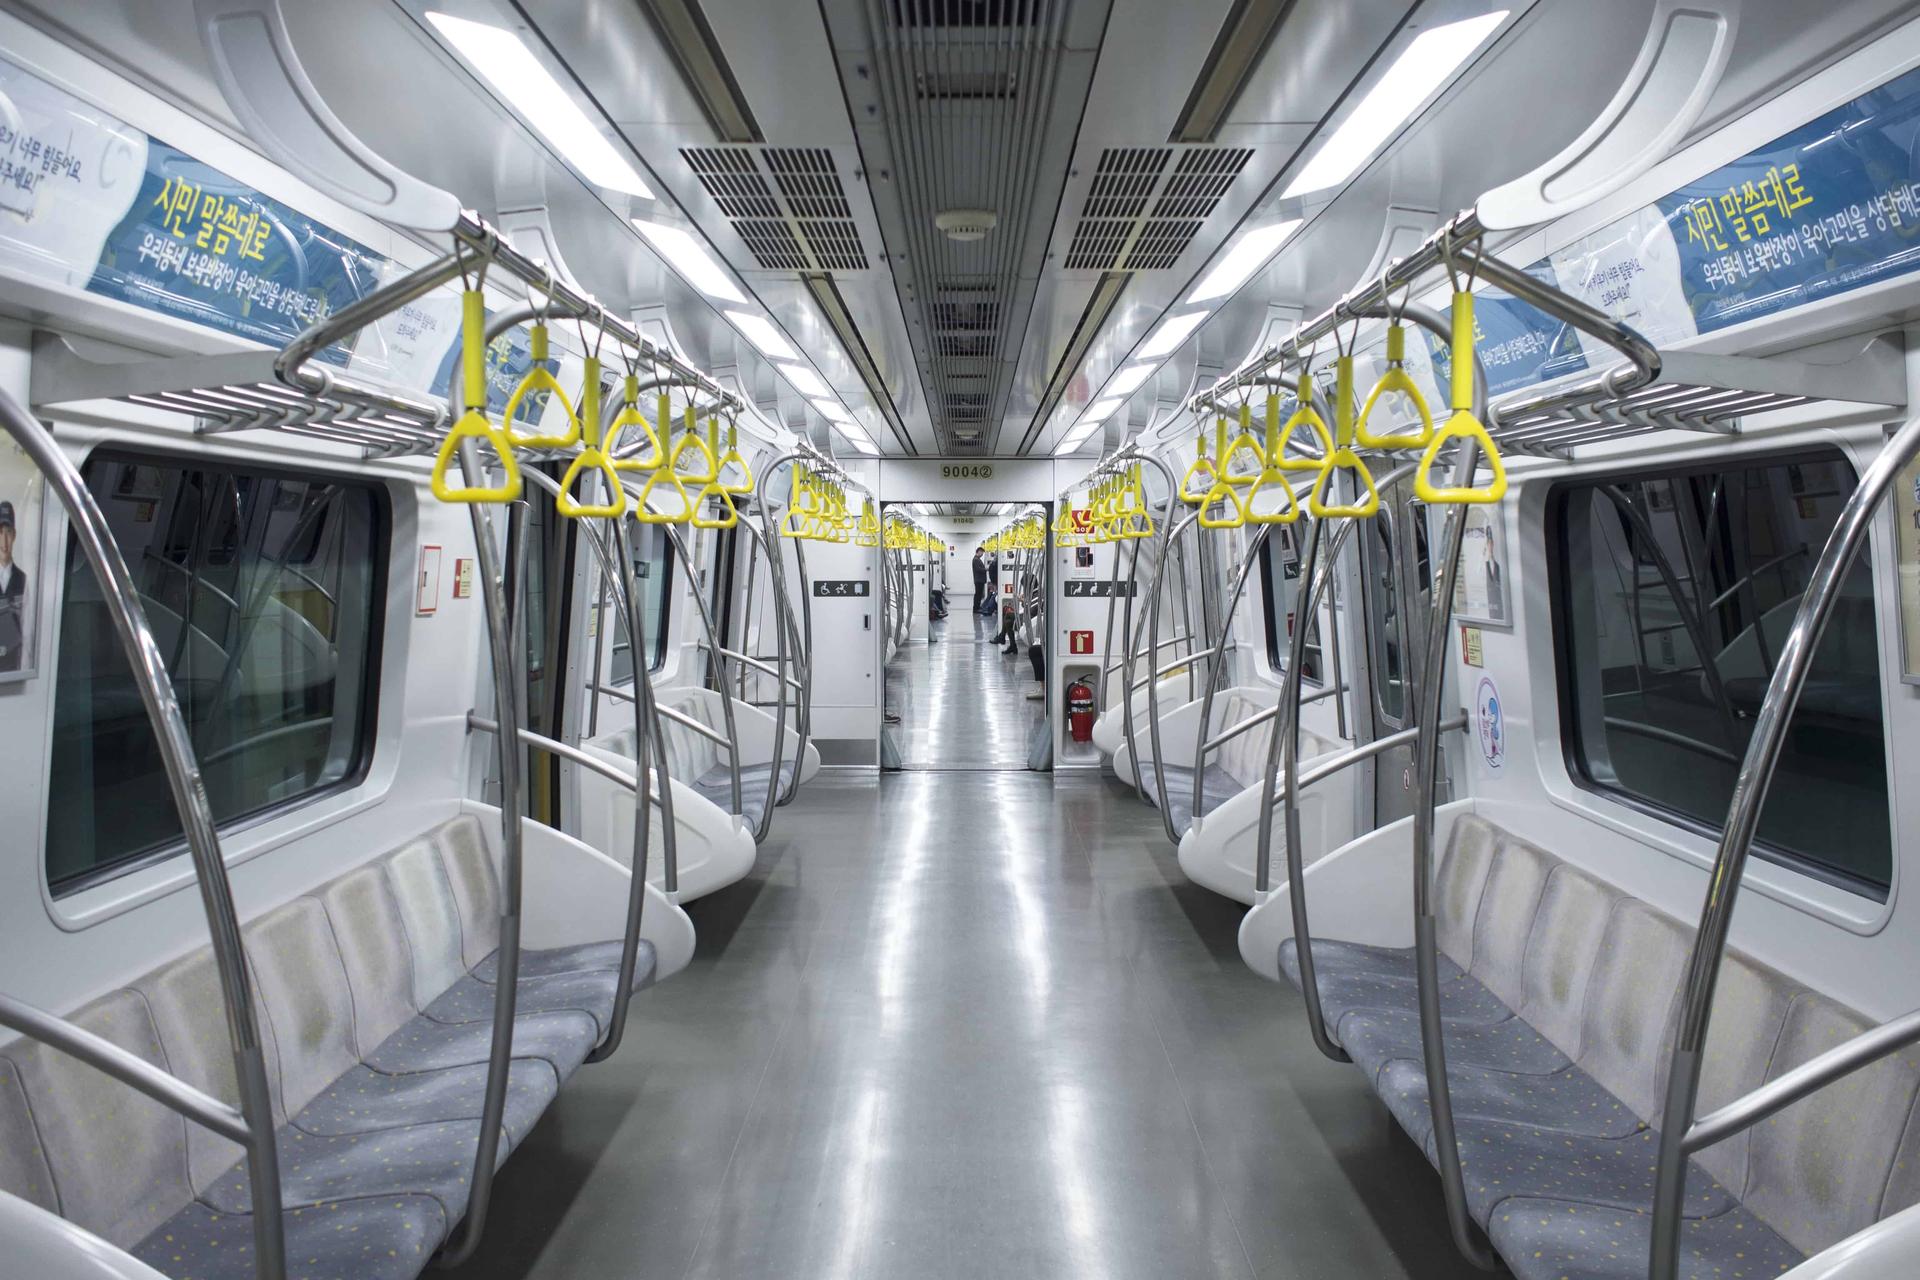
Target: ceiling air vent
786,203
967,14
1141,217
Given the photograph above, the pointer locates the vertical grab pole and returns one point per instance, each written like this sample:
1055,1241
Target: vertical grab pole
189,794
1167,509
718,650
507,977
777,584
1749,799
1215,658
642,821
1153,681
803,668
1432,685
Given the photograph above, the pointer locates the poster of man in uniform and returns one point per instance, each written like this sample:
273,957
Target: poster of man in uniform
1480,589
21,490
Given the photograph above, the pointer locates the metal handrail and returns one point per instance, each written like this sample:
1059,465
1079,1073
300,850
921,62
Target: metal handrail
1215,666
129,1069
478,723
1165,526
188,792
1261,717
1153,680
1808,1078
782,606
670,713
760,666
1367,751
1770,727
719,675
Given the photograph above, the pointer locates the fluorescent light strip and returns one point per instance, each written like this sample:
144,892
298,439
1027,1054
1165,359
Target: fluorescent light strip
1171,333
684,254
761,333
516,75
1100,410
1128,380
1245,258
1428,63
831,410
806,382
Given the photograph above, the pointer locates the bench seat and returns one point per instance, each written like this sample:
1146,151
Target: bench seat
716,784
1559,1001
375,996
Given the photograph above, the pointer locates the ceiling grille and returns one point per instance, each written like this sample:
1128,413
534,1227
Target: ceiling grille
786,203
1141,217
971,96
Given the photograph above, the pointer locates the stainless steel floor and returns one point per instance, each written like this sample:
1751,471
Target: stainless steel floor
966,1025
962,703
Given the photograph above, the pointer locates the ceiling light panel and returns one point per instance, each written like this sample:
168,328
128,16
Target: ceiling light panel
761,333
1128,380
1419,72
684,254
1100,410
1173,331
806,382
1247,256
510,68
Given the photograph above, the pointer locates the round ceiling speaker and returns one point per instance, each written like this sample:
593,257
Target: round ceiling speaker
966,224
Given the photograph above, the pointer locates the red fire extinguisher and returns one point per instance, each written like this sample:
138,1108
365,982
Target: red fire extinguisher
1080,711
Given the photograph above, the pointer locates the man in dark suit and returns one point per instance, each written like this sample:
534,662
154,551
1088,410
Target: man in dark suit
979,578
13,597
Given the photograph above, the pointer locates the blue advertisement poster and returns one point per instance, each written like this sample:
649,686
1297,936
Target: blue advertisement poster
1830,207
509,359
205,247
1518,345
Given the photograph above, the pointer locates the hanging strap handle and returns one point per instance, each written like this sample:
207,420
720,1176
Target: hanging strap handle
591,458
630,416
1248,444
1395,379
733,458
1307,415
473,423
1462,425
540,379
1202,471
1343,458
692,444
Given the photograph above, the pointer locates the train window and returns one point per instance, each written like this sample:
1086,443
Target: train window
1280,583
653,563
1674,594
265,591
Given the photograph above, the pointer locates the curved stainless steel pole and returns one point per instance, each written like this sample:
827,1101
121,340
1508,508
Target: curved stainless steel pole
189,794
719,654
1153,678
777,583
1128,624
506,992
803,668
1215,660
1770,727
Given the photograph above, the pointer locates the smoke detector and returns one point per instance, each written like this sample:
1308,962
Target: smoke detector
966,225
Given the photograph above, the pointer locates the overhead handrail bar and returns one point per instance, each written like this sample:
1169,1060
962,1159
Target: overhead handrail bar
188,792
1770,726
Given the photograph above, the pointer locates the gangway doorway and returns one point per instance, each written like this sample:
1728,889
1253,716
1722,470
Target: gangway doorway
966,682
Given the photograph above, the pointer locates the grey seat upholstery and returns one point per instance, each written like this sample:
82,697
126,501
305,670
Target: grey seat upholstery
375,1000
702,763
716,784
1560,1001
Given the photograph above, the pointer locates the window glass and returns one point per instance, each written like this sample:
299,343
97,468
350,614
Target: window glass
264,590
1384,632
1675,595
1280,583
653,564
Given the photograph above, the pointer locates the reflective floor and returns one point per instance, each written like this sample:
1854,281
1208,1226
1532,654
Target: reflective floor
962,703
970,1025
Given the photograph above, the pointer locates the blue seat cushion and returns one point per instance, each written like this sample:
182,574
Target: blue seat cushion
379,1238
1217,786
416,1160
1351,976
716,784
1555,1240
1375,1037
1506,1160
1566,1101
364,1100
563,1038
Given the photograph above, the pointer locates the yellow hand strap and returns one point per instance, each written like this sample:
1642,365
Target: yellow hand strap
630,416
1270,480
1306,415
1202,471
725,496
1395,379
733,459
591,458
1247,444
644,512
1462,426
1223,494
692,444
540,379
1137,508
474,423
1343,458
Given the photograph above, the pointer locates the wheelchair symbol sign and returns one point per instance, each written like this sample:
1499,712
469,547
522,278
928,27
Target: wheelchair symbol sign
1490,723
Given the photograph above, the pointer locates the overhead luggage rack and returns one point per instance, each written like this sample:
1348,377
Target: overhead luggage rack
285,391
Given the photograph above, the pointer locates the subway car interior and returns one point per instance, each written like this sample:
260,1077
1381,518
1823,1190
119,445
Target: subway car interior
956,639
